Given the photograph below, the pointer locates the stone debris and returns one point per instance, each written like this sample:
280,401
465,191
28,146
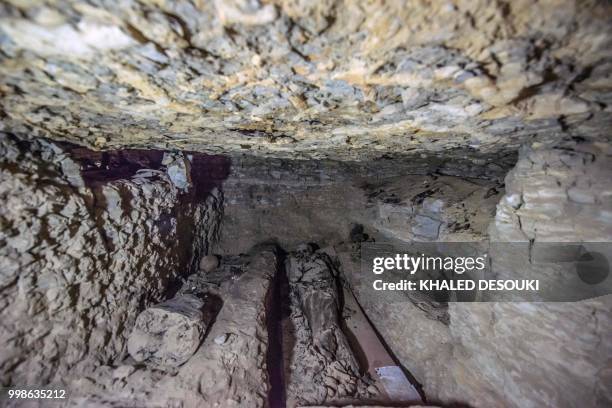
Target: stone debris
178,168
228,369
219,340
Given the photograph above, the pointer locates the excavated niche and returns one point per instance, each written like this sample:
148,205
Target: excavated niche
156,213
195,177
152,214
91,240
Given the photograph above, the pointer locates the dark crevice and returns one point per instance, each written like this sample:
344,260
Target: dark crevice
277,308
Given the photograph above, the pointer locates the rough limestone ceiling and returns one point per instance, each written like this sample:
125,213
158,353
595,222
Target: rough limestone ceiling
339,79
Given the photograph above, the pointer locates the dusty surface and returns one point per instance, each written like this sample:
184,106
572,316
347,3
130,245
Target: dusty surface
167,334
339,79
322,367
343,122
556,193
308,201
516,354
113,240
229,367
78,263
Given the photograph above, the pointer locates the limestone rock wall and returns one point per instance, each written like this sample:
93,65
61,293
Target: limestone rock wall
288,202
78,262
321,201
534,354
348,80
519,354
558,192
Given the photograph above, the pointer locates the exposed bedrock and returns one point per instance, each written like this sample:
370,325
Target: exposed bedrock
309,201
80,257
518,354
563,350
350,80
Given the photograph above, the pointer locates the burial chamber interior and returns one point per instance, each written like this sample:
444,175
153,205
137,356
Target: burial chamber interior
171,278
195,195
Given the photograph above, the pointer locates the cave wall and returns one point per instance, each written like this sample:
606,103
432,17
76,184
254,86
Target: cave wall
399,116
79,260
413,197
534,354
518,354
288,202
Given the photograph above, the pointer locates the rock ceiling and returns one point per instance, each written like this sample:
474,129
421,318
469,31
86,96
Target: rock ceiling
348,80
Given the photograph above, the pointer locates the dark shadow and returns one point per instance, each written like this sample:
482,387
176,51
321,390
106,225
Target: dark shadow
212,306
206,173
99,167
277,310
